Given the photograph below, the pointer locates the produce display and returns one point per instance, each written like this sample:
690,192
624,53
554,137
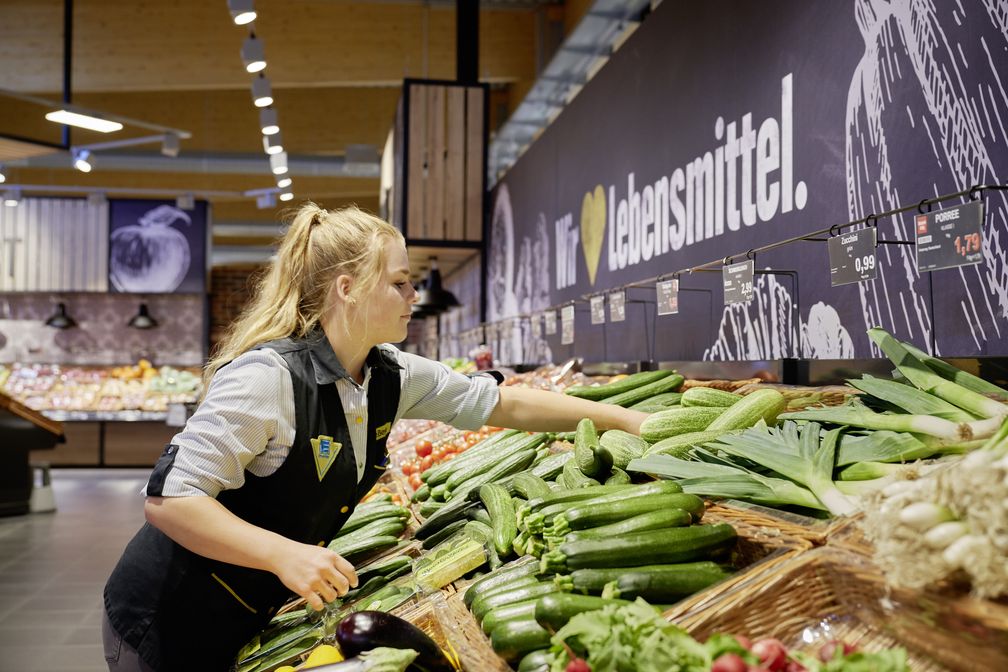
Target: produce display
141,387
597,550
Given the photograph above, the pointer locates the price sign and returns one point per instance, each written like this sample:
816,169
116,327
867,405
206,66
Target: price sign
597,309
617,306
536,321
549,322
951,237
852,257
738,282
480,335
668,296
567,325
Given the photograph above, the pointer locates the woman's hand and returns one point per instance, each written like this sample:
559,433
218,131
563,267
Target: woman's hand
315,573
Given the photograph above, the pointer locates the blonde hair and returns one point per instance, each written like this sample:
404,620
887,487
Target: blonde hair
290,299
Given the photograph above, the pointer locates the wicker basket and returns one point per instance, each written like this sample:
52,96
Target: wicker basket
470,643
832,593
726,385
814,530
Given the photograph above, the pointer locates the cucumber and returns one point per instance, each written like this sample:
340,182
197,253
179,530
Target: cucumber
440,473
552,466
513,639
530,486
631,382
359,518
444,533
553,611
492,458
586,444
683,576
593,514
623,446
524,566
651,520
676,421
536,661
618,477
660,386
709,396
680,544
439,493
484,534
456,510
669,583
383,567
574,478
510,465
480,514
511,612
511,595
502,516
422,494
430,507
353,547
499,592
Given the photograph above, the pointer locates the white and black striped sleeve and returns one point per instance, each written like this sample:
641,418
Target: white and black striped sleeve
432,391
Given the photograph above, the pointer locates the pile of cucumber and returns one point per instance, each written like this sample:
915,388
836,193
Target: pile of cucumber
372,527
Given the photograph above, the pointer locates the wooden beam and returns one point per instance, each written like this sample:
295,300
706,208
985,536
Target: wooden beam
149,45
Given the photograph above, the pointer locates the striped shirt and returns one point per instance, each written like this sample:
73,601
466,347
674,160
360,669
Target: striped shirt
246,419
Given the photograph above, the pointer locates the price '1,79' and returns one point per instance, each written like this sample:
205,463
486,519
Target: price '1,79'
967,244
865,263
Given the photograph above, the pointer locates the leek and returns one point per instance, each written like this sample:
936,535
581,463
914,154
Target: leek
866,471
909,399
925,378
881,446
946,431
957,375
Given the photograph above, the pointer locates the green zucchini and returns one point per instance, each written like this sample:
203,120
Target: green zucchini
660,386
551,467
680,544
502,516
422,494
510,612
574,478
675,421
631,382
553,611
513,639
763,404
682,576
709,396
586,444
536,661
444,533
592,514
566,436
651,520
529,485
524,566
618,477
623,446
669,583
510,593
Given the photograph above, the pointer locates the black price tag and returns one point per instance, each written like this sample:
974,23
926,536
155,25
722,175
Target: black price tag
950,237
617,306
567,325
668,296
549,322
597,309
738,282
852,257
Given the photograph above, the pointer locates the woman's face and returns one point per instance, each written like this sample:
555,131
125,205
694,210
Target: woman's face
388,307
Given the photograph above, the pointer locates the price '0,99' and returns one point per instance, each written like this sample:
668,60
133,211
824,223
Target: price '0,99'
967,244
864,263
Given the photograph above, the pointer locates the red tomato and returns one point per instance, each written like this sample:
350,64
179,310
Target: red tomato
409,468
424,448
439,453
426,463
414,481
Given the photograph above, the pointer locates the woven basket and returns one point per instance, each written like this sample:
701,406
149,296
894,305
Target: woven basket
470,643
726,385
814,530
832,593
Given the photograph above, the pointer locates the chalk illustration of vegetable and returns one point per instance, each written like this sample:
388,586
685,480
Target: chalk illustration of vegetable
150,256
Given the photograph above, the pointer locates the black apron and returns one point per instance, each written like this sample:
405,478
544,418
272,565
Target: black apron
182,611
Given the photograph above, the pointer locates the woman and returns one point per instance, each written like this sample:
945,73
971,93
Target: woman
289,436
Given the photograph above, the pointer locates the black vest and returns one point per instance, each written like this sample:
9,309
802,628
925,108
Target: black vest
182,611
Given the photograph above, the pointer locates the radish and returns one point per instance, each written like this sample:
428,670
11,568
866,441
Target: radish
771,653
577,665
743,641
729,662
828,650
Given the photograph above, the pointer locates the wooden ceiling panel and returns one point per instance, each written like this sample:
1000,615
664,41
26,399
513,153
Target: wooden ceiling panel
11,150
246,211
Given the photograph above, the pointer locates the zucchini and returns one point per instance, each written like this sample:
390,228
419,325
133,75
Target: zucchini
675,421
592,514
651,520
586,444
619,477
422,494
513,639
669,583
664,400
553,611
502,516
444,533
551,467
573,477
510,595
665,384
510,612
679,446
683,576
568,496
631,382
536,661
763,404
709,396
524,566
623,446
529,485
430,507
680,544
456,510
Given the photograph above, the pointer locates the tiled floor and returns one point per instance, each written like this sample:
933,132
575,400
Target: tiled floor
53,567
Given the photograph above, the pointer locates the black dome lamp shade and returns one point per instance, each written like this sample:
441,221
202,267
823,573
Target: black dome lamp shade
416,309
60,319
434,297
142,320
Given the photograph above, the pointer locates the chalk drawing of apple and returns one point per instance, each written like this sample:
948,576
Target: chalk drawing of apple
150,256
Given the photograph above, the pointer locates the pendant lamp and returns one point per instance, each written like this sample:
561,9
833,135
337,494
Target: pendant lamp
434,297
60,319
142,320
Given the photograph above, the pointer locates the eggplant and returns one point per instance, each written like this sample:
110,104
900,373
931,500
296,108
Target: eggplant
366,630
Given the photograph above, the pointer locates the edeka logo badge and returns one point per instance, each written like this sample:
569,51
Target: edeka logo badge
325,450
593,222
382,431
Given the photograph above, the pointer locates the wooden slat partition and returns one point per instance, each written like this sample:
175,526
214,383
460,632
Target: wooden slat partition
475,134
454,178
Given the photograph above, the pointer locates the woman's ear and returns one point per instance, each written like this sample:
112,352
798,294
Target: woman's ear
342,287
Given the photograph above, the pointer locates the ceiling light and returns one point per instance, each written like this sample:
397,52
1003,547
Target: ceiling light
268,121
286,195
185,202
170,144
90,122
284,182
82,160
267,200
60,319
142,320
262,92
242,11
12,197
278,163
253,54
272,144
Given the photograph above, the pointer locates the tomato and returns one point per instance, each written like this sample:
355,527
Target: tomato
409,468
426,463
424,448
439,453
414,481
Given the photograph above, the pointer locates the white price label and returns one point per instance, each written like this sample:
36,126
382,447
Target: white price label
668,296
597,309
617,306
549,322
567,325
